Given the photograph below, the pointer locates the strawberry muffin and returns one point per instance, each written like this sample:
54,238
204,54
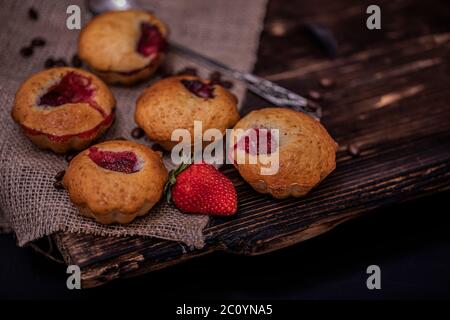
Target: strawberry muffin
297,148
176,102
115,181
123,46
63,109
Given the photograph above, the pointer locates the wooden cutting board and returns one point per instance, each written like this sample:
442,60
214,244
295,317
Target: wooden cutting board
390,106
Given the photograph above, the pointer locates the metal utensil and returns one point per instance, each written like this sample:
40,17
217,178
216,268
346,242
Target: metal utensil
268,90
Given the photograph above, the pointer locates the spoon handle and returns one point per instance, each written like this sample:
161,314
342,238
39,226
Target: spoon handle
266,89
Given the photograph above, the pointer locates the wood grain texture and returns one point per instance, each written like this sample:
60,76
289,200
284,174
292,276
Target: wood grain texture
391,101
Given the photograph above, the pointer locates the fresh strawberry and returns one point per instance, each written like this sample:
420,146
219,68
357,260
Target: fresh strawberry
201,188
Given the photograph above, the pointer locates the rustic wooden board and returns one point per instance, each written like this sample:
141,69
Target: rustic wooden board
391,100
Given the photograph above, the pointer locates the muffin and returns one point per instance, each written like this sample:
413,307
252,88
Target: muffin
176,102
63,109
115,181
302,152
123,46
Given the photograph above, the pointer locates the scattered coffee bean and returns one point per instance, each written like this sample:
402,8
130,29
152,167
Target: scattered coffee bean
323,38
60,175
58,184
353,150
137,133
156,147
277,28
227,84
215,76
38,42
312,94
76,61
49,63
189,71
26,51
326,82
33,14
70,155
60,63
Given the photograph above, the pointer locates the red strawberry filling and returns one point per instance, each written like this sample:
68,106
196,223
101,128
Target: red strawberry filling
199,88
255,141
72,88
123,161
151,41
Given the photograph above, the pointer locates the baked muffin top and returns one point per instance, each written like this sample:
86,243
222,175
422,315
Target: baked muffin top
115,176
122,41
176,102
306,151
62,101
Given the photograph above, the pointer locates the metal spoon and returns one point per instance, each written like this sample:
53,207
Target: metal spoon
268,90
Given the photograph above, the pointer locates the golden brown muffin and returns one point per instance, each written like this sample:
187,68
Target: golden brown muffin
63,108
123,46
176,102
115,181
306,152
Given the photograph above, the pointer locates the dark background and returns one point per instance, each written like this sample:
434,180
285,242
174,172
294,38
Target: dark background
410,242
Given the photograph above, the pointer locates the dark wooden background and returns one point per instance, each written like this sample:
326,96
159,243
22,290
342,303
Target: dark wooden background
390,102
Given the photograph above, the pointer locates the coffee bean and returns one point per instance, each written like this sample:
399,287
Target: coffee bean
326,82
60,175
137,133
215,82
189,71
227,84
70,155
26,51
277,28
49,63
353,150
38,42
76,61
60,63
33,14
215,76
58,184
156,147
314,95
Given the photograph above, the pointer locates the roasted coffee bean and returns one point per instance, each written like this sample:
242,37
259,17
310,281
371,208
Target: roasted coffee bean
60,175
49,63
137,133
33,14
215,76
353,150
58,184
69,156
227,84
278,28
326,82
156,147
324,38
189,71
26,51
60,63
76,61
312,94
38,42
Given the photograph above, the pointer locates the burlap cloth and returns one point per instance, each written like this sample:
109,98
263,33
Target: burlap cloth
29,204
